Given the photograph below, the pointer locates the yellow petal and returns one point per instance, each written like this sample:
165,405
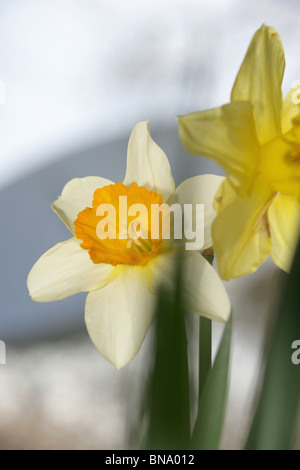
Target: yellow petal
240,231
200,190
284,220
227,135
147,164
202,289
290,109
65,270
118,315
76,196
259,81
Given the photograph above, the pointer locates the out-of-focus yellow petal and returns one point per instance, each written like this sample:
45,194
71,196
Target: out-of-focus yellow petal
284,220
290,109
259,81
147,164
118,315
240,230
227,135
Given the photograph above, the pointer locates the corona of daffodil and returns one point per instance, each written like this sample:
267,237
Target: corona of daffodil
121,273
256,139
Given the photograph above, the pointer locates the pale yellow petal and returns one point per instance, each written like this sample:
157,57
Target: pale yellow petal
204,293
65,270
202,289
284,220
240,231
259,81
227,135
118,315
76,196
147,164
199,190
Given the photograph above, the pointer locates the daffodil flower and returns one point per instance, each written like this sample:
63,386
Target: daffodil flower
122,274
256,139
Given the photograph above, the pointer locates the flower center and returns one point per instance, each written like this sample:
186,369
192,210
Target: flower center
295,154
280,166
120,227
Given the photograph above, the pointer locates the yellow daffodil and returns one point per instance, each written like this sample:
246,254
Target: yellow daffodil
256,139
122,274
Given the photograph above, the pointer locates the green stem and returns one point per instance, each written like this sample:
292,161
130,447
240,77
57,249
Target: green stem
205,340
204,353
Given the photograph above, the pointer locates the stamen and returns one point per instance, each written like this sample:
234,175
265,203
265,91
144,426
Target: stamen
132,243
295,154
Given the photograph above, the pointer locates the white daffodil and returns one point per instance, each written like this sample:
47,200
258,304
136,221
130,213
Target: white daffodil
121,274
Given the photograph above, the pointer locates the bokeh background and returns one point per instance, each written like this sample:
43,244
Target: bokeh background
78,75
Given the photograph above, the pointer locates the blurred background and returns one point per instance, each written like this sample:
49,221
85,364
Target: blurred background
75,77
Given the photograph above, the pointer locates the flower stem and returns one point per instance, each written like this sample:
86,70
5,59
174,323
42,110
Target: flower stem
205,341
204,352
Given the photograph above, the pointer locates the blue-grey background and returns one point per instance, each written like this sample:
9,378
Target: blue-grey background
78,75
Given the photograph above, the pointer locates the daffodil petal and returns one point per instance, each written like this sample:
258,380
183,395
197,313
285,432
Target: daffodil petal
76,196
284,220
199,190
118,315
147,164
227,135
65,270
203,291
240,231
259,81
290,109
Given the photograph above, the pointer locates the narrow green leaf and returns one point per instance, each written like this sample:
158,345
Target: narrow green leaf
205,341
274,422
211,412
205,332
168,390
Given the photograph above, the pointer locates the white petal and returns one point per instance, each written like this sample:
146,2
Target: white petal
200,190
118,315
76,196
147,164
65,270
203,290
